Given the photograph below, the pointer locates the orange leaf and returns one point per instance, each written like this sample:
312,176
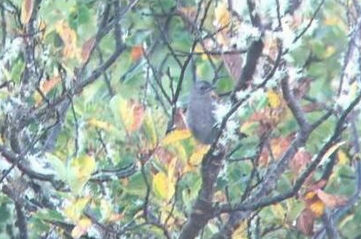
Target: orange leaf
136,53
69,38
317,207
45,87
138,114
331,201
278,147
132,114
87,48
26,11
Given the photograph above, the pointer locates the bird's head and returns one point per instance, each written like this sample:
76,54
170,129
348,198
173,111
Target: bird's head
203,87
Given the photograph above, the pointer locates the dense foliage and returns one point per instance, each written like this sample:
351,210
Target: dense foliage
94,143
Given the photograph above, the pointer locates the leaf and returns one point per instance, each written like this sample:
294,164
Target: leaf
132,114
87,49
331,201
176,135
222,22
240,232
150,130
188,13
305,222
331,150
45,87
100,124
81,227
197,156
222,15
343,159
163,186
317,207
69,38
136,53
279,212
299,161
58,165
27,7
273,99
75,208
233,63
81,169
278,147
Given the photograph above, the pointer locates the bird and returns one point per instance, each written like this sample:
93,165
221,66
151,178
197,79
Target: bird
200,117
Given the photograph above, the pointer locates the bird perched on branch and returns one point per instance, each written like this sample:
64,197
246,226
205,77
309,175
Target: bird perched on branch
200,113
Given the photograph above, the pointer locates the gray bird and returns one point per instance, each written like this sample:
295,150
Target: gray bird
200,113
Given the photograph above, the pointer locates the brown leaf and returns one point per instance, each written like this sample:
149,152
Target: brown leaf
331,201
188,13
87,48
26,11
301,159
318,185
179,120
233,63
138,114
305,222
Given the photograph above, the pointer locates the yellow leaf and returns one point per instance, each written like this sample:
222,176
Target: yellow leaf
175,136
180,151
26,11
75,209
332,20
163,186
197,156
278,211
222,15
106,209
273,99
150,129
84,166
81,228
343,159
330,50
331,150
81,169
100,124
317,208
241,231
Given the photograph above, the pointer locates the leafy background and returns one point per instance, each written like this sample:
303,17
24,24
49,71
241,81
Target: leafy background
93,140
